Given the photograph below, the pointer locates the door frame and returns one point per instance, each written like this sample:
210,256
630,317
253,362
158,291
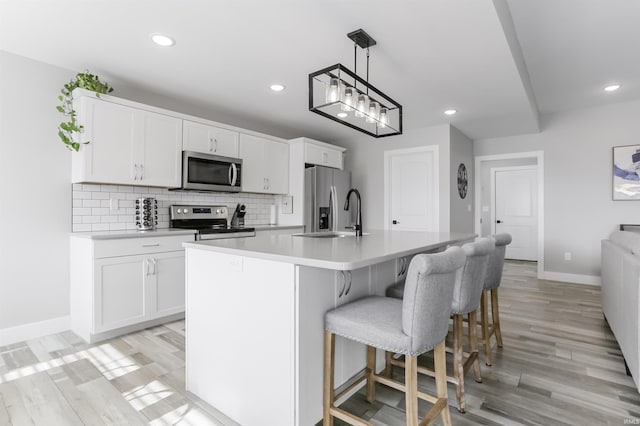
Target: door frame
388,155
492,173
539,156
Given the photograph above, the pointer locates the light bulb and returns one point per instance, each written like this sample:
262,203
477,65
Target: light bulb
333,91
348,101
362,105
372,116
384,118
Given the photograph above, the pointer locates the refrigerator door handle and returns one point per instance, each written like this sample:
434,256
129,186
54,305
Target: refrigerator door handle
331,212
333,200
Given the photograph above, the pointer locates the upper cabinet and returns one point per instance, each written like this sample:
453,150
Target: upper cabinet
321,154
127,145
209,139
265,165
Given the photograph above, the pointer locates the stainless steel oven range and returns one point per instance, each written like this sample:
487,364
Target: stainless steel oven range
210,222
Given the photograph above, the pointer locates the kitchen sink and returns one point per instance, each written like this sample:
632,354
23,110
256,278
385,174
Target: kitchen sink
328,234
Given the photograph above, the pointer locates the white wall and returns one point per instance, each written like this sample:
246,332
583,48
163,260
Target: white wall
461,209
365,160
579,210
35,211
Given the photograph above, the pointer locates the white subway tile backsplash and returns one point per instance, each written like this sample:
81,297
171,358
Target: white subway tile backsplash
90,187
100,195
91,205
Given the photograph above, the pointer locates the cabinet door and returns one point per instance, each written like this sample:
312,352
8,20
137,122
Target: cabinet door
159,148
252,153
110,130
276,167
209,139
120,292
323,156
167,284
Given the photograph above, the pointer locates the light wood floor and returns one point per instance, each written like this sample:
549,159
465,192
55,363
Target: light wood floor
560,365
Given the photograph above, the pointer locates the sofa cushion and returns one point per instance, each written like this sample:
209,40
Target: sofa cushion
627,240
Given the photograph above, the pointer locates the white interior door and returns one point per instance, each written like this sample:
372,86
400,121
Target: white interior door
516,210
411,193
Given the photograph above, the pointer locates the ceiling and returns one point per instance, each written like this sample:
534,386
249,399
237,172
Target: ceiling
499,63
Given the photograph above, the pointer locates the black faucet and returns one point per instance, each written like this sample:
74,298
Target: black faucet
358,226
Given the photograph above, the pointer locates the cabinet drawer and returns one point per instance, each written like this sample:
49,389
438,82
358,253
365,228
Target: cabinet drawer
322,156
142,245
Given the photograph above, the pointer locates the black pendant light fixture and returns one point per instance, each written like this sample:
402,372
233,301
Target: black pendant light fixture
341,95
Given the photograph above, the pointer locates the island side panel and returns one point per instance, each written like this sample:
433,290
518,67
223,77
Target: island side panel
240,324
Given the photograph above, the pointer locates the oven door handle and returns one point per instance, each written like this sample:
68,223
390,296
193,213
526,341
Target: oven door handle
235,174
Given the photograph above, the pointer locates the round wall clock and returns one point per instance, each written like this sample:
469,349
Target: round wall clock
463,180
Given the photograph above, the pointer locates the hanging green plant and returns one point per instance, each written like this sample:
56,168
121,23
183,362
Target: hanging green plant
70,126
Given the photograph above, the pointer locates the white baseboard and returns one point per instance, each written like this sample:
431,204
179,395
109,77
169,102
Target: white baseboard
33,330
571,278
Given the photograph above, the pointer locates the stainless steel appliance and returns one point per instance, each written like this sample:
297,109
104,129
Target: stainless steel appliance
204,172
146,213
209,221
325,193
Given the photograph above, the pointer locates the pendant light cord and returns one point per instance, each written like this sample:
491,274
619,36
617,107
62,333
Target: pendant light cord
367,70
355,63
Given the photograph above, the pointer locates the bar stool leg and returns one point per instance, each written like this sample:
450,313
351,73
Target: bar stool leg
440,364
473,345
388,367
495,314
371,371
485,327
458,361
328,391
411,387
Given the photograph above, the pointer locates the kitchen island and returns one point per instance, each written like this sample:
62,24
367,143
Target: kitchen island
255,316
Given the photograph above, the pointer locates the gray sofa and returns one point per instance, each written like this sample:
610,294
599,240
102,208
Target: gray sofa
620,293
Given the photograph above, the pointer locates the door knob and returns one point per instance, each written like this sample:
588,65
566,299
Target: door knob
395,222
498,221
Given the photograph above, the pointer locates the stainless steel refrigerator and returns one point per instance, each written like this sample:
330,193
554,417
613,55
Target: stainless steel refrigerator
325,191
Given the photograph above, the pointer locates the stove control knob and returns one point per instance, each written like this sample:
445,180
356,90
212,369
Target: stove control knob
179,211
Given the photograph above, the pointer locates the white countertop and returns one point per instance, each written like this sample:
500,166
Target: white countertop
267,227
108,235
341,254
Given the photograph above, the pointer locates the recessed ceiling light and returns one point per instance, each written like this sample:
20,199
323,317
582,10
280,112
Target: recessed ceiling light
450,111
612,88
162,40
342,114
277,87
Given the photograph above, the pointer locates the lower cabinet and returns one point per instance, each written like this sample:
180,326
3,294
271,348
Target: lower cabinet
119,293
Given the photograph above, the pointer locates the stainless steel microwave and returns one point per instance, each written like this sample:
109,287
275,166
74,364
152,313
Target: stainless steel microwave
204,172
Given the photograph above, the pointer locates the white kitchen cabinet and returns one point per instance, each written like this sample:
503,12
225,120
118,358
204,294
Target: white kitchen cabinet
265,165
120,285
127,145
322,154
207,139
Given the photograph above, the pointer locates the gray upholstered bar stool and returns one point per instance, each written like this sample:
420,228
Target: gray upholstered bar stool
468,289
491,284
411,326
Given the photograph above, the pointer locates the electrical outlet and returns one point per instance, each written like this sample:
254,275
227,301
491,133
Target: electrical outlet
567,255
287,204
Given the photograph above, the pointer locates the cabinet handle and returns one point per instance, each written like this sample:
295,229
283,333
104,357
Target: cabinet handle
151,245
155,265
210,144
148,264
215,149
344,284
141,171
264,183
268,183
135,176
350,280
